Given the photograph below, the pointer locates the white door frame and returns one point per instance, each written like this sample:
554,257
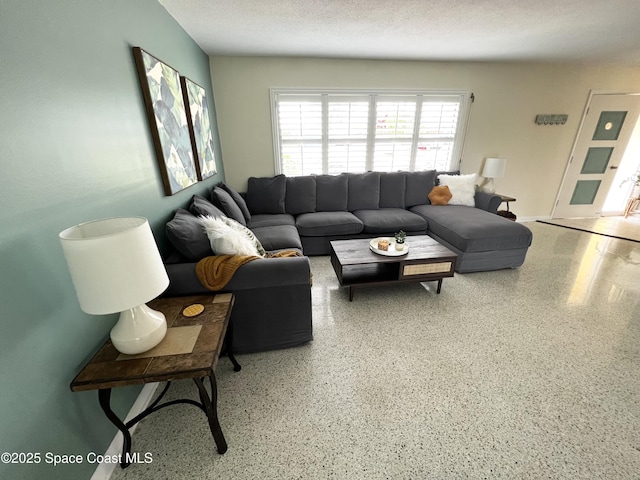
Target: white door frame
577,137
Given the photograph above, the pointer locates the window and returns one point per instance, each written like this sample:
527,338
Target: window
333,132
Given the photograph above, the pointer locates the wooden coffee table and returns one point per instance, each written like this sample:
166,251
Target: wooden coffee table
356,265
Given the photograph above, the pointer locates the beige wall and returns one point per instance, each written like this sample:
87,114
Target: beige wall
508,97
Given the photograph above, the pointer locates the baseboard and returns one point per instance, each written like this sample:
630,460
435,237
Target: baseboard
104,470
533,219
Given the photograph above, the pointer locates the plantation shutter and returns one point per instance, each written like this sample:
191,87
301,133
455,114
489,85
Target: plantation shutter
336,132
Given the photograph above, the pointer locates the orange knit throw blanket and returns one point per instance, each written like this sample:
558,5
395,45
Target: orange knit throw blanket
216,271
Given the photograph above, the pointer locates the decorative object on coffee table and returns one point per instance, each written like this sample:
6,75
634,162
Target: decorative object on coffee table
116,267
390,247
190,350
400,238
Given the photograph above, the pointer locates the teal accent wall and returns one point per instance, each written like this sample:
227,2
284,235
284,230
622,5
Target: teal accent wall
75,146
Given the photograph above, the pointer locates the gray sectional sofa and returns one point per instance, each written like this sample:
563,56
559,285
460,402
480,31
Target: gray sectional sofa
273,296
333,207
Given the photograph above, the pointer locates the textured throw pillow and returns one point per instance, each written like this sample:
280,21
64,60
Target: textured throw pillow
226,240
440,195
462,188
245,231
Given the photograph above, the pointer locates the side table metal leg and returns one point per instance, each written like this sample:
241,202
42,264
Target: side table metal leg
104,396
351,289
439,286
229,341
211,409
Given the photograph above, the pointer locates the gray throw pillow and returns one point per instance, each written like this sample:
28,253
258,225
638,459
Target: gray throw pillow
266,194
187,236
202,206
301,195
221,199
239,201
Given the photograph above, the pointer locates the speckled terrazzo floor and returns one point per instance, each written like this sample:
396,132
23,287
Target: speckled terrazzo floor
518,374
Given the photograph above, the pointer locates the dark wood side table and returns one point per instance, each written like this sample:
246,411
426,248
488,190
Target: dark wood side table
506,199
190,350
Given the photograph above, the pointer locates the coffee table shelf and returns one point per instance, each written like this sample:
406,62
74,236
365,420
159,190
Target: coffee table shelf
356,265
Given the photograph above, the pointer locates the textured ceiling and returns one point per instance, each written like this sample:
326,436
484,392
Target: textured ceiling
495,30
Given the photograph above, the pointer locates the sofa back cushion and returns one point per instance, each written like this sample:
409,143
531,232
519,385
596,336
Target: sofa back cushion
242,204
225,202
266,194
418,186
331,193
202,206
300,196
363,191
392,189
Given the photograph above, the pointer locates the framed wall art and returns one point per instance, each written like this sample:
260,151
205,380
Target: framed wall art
165,108
195,100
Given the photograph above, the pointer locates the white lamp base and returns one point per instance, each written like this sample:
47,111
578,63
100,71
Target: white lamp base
139,329
489,187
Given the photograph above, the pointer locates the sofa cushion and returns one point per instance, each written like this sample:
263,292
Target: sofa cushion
391,220
300,196
462,188
239,201
319,224
201,206
331,193
392,189
363,191
473,230
278,237
417,187
269,220
187,236
221,199
266,194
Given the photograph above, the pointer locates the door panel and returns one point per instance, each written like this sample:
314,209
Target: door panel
602,140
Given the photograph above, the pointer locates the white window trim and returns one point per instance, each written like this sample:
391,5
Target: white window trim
466,99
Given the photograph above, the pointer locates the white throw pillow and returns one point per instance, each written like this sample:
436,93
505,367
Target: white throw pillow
248,233
226,240
462,188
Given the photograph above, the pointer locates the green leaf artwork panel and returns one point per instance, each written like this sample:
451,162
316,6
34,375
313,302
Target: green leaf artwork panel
165,97
198,109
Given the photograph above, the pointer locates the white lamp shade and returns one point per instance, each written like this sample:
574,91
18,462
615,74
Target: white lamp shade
114,263
494,167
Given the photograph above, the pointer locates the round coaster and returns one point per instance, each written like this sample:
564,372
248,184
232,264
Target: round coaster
193,310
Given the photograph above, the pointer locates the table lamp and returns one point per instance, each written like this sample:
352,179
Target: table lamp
493,168
115,267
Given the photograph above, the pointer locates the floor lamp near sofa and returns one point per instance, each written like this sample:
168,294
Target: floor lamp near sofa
115,267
